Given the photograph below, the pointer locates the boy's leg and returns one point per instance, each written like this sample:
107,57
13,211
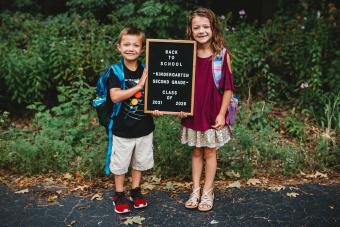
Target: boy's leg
142,159
120,202
122,149
136,192
119,182
136,177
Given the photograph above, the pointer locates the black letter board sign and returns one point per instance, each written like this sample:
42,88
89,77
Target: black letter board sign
171,75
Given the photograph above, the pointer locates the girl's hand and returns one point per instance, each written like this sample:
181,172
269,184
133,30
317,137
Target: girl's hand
156,113
182,114
142,80
219,122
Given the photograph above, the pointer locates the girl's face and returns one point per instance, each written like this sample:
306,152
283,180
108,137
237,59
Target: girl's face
130,47
201,29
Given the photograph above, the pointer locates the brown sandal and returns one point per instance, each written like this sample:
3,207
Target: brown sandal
193,200
207,201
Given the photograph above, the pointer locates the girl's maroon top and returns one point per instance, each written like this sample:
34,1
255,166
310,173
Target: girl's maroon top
207,98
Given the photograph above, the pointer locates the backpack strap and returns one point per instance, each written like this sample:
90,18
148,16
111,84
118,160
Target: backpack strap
118,70
217,68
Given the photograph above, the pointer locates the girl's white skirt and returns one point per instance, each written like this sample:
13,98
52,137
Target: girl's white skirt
211,138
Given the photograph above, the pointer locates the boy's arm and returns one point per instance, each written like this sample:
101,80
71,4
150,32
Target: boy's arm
117,94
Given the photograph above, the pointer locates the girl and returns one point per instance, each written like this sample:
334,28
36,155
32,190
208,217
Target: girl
206,130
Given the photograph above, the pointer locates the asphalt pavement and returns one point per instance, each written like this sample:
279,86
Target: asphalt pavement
313,205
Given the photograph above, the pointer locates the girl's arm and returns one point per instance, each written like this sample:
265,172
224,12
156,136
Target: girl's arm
220,119
117,94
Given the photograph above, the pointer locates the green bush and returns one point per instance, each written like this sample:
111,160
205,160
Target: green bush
289,59
171,157
61,139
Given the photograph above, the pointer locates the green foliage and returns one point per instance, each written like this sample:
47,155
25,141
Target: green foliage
51,64
328,153
41,55
257,146
171,157
289,59
294,127
331,113
60,139
160,19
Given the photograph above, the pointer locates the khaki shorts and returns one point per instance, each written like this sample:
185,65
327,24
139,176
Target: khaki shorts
137,151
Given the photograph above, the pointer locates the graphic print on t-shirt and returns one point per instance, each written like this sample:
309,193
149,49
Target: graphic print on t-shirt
134,106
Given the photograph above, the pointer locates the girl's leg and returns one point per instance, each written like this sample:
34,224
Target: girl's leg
119,182
210,167
136,177
197,166
210,171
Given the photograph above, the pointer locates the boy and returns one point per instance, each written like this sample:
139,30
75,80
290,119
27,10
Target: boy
133,131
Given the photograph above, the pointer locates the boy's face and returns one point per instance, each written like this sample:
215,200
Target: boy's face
130,47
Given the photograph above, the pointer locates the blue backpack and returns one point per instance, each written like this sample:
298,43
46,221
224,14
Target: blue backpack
106,112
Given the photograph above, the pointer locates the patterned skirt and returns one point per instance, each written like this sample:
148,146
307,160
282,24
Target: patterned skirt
210,138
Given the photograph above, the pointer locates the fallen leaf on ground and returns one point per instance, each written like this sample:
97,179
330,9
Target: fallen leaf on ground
67,176
49,181
22,191
148,186
81,187
169,186
97,197
265,180
155,179
52,198
292,194
235,184
134,220
277,188
316,175
233,174
72,223
214,222
294,188
182,185
253,181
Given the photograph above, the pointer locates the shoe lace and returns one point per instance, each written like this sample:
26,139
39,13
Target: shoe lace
121,199
136,193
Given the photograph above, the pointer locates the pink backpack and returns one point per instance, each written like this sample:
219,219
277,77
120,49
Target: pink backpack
217,72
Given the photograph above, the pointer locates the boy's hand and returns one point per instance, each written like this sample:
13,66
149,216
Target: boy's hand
156,113
182,114
142,80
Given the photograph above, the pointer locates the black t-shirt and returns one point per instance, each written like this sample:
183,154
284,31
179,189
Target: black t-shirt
131,122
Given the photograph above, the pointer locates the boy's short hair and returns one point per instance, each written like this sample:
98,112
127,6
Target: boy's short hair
131,31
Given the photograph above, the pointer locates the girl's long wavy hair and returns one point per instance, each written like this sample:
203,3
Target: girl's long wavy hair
217,41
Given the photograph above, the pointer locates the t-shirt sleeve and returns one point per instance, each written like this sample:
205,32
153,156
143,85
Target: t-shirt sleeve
226,82
112,81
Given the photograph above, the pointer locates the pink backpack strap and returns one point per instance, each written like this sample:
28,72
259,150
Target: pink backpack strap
217,66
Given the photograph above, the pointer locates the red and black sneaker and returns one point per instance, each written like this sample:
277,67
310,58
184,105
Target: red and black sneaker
138,199
121,203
